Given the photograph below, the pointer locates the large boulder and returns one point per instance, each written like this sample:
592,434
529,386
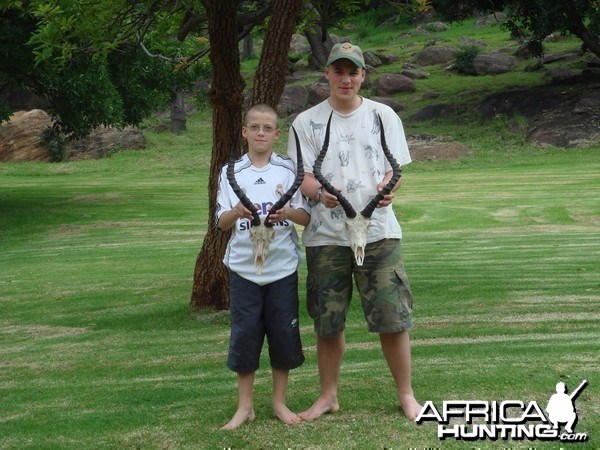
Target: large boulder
525,102
299,44
490,19
292,101
317,92
573,126
371,59
434,54
395,105
493,63
103,140
21,137
415,74
437,111
563,75
21,140
564,130
389,84
429,148
558,118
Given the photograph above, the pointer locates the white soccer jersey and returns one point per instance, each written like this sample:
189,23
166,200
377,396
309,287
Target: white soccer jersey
263,186
354,163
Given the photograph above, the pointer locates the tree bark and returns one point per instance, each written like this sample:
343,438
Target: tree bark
320,45
269,80
211,278
178,119
578,28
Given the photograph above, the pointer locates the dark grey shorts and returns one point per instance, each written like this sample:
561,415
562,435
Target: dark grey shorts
381,281
258,311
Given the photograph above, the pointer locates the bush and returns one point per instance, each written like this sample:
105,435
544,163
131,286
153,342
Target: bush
464,59
55,143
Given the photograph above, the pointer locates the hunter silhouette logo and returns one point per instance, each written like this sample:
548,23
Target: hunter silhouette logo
508,419
561,406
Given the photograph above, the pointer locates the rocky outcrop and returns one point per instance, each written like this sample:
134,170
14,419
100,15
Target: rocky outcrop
490,19
573,126
292,101
429,148
104,140
437,111
565,118
21,137
493,63
389,84
434,54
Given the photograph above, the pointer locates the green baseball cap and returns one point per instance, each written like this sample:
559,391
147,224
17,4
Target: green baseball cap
346,51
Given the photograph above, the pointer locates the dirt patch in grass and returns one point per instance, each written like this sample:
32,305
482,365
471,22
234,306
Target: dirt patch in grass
39,331
94,198
76,228
592,219
570,337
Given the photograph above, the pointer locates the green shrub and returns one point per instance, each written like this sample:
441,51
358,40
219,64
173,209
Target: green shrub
464,59
201,101
55,143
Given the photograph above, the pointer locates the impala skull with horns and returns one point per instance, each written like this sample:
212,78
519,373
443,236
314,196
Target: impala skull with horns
357,225
261,232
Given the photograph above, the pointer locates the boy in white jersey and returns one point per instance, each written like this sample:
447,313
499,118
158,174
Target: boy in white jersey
266,304
355,165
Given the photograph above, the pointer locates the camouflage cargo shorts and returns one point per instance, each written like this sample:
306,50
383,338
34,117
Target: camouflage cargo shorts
381,282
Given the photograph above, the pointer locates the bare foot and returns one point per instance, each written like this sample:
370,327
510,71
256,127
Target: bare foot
240,417
283,413
410,406
320,407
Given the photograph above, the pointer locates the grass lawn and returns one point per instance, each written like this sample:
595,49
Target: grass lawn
99,349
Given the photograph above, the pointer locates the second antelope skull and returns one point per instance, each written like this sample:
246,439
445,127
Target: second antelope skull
357,225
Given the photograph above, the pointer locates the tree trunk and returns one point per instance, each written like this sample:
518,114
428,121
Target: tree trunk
320,45
577,26
273,66
211,281
178,119
211,277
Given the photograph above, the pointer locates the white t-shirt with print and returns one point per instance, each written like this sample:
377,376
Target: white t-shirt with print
263,186
354,163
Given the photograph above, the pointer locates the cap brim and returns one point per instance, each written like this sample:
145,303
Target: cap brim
355,61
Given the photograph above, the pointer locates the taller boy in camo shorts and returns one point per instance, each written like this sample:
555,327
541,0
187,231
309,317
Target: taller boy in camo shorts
356,166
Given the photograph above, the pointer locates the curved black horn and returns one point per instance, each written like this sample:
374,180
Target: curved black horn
396,174
297,182
236,188
348,209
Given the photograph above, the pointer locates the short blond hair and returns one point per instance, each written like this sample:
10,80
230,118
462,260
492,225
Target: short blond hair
261,108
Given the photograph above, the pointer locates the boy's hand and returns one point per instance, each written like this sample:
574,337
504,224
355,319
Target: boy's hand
280,215
242,212
386,200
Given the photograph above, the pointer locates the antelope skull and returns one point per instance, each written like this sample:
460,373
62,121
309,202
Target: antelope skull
357,225
357,228
261,237
261,232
